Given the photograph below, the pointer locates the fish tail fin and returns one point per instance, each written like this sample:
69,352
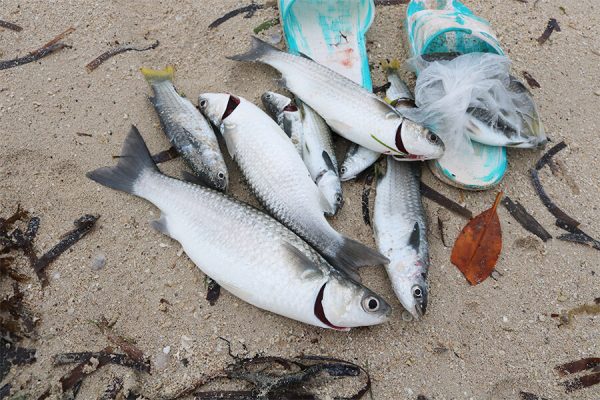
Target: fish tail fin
134,161
351,255
391,65
158,75
259,50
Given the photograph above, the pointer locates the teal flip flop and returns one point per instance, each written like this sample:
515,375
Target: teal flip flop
445,26
332,33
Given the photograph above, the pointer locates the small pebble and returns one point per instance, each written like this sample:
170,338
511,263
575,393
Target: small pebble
167,350
406,316
161,361
597,92
505,319
98,261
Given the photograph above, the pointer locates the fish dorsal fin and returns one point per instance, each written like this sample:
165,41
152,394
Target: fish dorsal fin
307,268
415,237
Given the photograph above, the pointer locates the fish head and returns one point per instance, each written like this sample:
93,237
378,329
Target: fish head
410,284
418,142
217,106
329,185
343,304
275,103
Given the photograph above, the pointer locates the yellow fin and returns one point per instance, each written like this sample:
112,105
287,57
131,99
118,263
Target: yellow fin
158,75
393,65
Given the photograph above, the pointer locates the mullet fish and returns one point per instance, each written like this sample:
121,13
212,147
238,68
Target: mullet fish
317,149
280,180
289,118
401,233
247,252
188,131
349,109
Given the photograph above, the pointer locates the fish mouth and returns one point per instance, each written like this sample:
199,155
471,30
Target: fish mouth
320,312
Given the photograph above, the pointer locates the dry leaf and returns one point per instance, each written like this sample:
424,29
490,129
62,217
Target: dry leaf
478,246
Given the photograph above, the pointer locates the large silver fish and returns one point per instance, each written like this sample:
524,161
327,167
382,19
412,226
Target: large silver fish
189,133
317,149
289,118
350,110
401,233
247,252
280,180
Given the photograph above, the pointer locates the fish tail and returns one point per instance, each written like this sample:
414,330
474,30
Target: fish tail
259,50
134,161
158,75
351,255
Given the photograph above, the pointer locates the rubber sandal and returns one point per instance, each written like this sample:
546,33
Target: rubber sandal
446,26
333,34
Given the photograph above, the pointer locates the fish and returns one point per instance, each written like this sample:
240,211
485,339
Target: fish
281,181
401,233
358,159
399,96
318,154
289,118
187,130
350,110
247,252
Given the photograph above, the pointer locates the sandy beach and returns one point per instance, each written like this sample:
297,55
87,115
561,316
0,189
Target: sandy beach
489,341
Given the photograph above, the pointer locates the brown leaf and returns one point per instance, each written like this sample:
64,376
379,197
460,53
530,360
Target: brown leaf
478,246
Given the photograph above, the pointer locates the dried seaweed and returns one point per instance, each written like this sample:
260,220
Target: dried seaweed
547,157
591,364
553,208
10,25
89,362
551,27
5,269
279,378
581,382
83,226
249,10
113,389
578,366
382,88
441,230
5,391
525,219
531,81
445,202
213,291
96,62
366,194
268,24
22,322
11,355
390,2
128,348
165,155
38,54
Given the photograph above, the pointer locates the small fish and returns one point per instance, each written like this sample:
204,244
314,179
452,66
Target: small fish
358,159
319,156
248,253
401,233
289,118
350,110
280,180
188,131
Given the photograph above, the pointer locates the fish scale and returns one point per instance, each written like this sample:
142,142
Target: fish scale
247,252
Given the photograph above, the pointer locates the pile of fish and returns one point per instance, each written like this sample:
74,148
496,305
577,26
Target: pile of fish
290,260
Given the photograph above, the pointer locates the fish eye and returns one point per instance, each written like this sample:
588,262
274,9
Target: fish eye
370,304
433,138
221,175
343,170
417,292
338,198
203,103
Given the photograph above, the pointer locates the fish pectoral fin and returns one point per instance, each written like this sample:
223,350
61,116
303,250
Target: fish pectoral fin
161,225
195,179
415,237
329,162
302,262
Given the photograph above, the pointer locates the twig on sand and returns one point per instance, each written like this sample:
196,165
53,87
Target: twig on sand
40,53
96,62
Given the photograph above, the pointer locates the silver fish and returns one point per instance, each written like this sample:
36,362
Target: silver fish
401,233
187,130
319,156
289,118
280,180
247,252
349,109
399,96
